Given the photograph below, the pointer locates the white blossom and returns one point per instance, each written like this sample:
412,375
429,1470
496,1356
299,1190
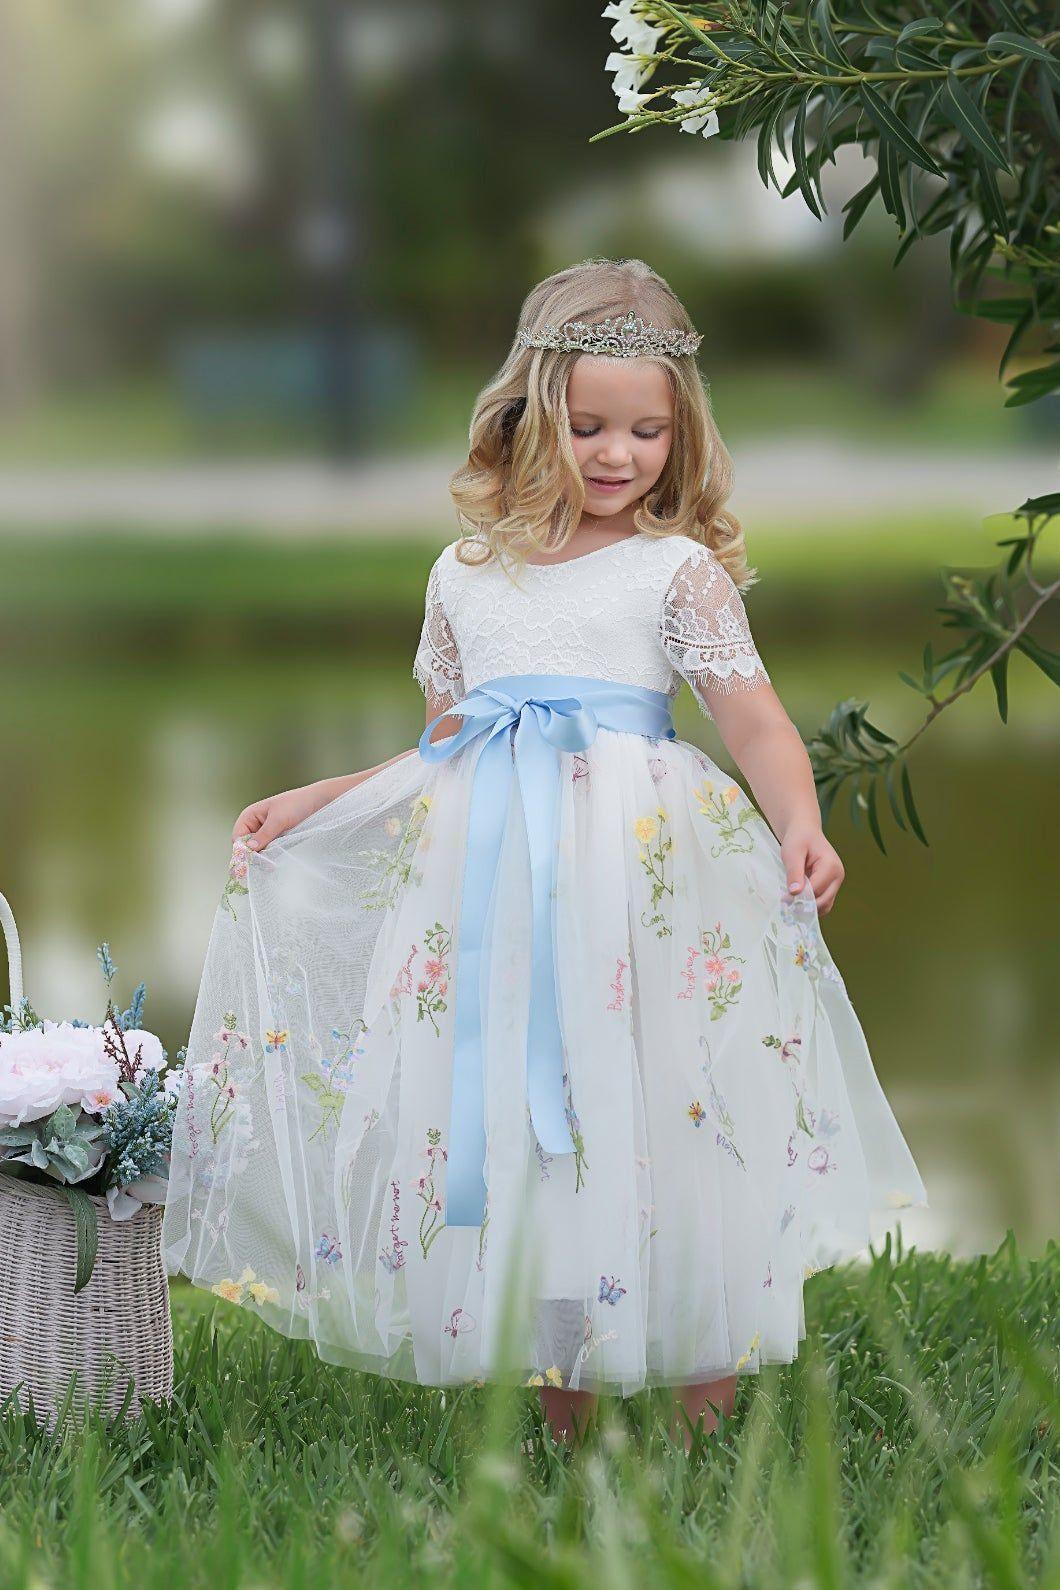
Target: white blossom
705,117
633,65
57,1064
631,29
152,1054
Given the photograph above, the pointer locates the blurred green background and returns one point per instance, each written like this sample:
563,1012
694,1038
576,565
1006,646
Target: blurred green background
256,260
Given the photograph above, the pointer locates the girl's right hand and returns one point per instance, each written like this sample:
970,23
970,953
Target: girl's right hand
267,819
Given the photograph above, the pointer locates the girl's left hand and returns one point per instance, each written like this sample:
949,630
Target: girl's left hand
809,858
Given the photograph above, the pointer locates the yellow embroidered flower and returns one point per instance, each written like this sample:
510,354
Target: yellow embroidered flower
425,802
553,1376
535,1380
261,1293
247,1275
231,1291
746,1357
660,812
645,829
731,794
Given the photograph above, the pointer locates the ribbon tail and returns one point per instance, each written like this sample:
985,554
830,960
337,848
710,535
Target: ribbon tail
465,1197
538,768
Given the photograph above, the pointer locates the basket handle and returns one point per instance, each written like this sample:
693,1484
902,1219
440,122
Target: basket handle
14,952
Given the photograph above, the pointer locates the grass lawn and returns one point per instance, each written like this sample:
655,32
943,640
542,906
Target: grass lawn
913,1443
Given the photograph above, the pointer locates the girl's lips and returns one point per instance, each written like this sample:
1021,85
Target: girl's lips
603,484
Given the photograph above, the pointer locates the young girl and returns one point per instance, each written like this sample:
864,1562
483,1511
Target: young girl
541,1010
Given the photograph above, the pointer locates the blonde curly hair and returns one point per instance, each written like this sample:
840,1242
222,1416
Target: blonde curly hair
522,491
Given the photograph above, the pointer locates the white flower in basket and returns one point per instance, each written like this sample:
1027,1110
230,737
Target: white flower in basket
88,1107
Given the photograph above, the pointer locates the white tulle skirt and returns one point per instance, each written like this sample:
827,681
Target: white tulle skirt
731,1133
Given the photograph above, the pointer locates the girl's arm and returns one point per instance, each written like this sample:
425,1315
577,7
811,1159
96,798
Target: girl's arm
267,819
766,747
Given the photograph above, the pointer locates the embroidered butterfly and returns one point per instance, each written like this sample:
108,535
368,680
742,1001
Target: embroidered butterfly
459,1323
610,1290
275,1039
328,1249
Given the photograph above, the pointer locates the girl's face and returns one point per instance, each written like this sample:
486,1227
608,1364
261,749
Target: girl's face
621,416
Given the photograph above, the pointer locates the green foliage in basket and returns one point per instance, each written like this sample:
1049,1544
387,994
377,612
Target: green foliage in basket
64,1146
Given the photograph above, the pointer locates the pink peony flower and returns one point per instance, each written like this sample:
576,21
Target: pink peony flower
48,1066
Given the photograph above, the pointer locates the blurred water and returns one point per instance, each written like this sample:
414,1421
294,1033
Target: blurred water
123,778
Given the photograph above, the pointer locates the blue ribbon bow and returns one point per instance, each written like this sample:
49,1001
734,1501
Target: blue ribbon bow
548,714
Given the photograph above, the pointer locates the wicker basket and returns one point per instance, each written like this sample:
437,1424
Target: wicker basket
109,1346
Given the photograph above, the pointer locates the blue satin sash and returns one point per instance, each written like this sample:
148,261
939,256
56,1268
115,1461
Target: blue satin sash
549,713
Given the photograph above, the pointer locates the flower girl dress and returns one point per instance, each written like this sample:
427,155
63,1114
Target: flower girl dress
533,1008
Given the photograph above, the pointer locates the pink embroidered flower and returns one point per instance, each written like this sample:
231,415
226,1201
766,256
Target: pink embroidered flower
715,965
734,974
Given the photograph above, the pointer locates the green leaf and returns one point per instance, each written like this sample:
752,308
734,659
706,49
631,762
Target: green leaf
822,17
960,108
765,140
874,819
999,674
62,1123
912,30
798,152
913,58
890,184
1020,44
994,213
679,17
1033,384
855,208
910,806
1047,100
896,810
87,1235
1047,661
894,130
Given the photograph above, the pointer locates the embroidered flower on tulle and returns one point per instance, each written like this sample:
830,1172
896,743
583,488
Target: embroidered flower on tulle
654,855
431,1222
394,869
720,808
552,1377
221,1076
722,978
433,985
238,868
248,1285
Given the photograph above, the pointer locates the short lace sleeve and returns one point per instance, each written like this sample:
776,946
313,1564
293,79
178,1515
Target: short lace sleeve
705,631
436,666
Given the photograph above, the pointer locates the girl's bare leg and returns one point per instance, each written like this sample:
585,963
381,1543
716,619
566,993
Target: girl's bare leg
696,1400
562,1407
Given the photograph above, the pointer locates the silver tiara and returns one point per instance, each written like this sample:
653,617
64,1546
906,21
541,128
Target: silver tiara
624,336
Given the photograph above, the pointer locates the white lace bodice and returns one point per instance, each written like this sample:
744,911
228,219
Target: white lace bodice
645,611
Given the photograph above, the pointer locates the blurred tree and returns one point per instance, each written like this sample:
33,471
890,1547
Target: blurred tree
955,104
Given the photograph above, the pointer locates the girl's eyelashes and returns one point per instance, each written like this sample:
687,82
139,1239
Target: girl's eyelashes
644,436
